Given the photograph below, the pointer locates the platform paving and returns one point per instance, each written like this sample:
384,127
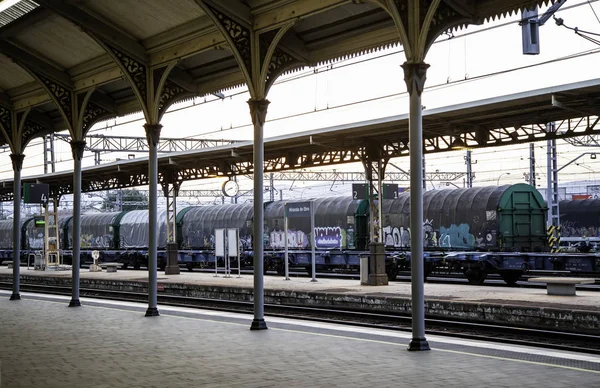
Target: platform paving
102,344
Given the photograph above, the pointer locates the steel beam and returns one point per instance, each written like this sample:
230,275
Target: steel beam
93,25
40,66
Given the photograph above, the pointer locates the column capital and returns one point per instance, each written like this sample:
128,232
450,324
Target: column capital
153,133
415,76
258,110
17,161
77,147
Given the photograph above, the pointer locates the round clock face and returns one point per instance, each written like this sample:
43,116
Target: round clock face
230,188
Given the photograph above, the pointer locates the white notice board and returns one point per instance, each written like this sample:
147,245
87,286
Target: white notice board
220,242
232,242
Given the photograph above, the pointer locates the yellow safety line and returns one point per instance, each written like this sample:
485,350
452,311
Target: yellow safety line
350,338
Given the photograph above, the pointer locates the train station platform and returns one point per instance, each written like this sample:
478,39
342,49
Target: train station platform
110,344
531,307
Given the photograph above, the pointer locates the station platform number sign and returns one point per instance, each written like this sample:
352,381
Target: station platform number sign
36,193
361,191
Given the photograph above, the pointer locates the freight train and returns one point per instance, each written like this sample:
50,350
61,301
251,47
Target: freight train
475,231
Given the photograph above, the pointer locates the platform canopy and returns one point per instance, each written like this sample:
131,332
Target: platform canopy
55,52
503,120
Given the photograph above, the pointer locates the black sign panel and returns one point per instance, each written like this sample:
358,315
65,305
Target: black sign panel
297,209
36,192
360,191
390,191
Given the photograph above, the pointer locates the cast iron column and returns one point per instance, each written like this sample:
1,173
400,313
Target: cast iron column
258,111
77,147
153,136
414,76
17,162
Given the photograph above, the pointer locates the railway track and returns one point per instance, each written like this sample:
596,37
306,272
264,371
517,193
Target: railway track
461,329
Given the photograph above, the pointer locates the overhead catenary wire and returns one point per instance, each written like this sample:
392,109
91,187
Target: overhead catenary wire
593,10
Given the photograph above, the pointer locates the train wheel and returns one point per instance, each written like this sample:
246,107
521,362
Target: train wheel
309,270
124,266
510,277
281,269
190,267
475,276
426,273
392,274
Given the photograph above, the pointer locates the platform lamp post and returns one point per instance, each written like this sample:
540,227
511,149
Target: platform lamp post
501,175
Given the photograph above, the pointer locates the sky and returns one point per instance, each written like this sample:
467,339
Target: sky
475,63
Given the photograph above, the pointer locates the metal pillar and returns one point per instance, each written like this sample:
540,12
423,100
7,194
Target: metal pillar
171,190
375,162
271,188
258,112
77,147
532,164
469,169
153,136
17,162
553,221
49,158
414,76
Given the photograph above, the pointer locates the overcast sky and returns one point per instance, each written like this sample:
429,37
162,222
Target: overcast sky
474,64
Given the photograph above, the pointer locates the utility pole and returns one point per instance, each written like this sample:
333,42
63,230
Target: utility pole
49,158
553,222
424,175
532,164
271,188
469,164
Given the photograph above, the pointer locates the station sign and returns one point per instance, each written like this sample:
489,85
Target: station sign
360,191
36,193
390,191
297,209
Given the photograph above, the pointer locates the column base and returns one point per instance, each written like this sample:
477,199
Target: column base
418,344
15,296
258,324
152,312
172,270
74,303
172,267
377,279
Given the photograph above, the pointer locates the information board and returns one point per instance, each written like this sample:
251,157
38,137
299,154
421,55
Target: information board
360,191
36,193
219,242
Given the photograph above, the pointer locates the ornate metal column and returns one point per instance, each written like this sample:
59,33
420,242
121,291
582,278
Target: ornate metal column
258,112
17,162
414,76
77,147
153,136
